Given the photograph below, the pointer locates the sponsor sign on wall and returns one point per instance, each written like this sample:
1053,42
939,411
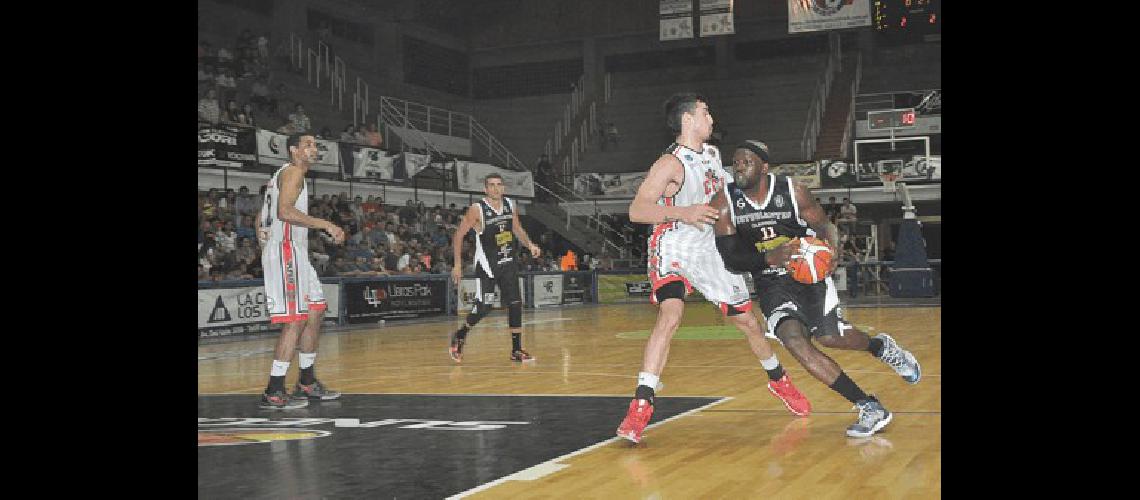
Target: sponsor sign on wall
676,19
229,311
608,185
468,287
547,289
224,145
373,300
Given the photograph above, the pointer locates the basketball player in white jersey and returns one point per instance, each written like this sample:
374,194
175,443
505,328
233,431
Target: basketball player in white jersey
293,293
494,220
683,255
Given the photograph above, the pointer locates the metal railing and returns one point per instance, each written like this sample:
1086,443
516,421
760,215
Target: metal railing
322,65
850,125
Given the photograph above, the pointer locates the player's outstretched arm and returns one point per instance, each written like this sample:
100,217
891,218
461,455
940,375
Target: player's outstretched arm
644,208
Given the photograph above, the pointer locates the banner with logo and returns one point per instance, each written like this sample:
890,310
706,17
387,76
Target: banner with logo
365,162
470,175
230,311
716,18
804,173
468,287
676,19
820,15
409,164
547,289
608,185
373,300
225,145
272,150
578,287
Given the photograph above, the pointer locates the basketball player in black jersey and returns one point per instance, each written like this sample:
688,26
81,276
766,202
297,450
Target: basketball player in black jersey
760,215
495,222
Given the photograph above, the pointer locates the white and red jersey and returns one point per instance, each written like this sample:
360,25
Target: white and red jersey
280,230
679,251
292,288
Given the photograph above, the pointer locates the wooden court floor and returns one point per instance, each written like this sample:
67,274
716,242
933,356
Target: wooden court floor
748,446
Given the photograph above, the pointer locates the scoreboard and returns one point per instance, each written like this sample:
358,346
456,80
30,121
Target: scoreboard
920,19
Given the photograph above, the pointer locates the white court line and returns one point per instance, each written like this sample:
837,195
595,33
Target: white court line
552,465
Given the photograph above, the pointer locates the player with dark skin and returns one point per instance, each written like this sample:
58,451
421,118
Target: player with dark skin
750,172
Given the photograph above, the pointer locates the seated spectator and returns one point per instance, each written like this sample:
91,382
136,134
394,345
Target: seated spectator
259,95
208,108
246,115
300,120
224,55
288,128
359,137
230,115
372,136
325,134
263,48
203,275
246,229
225,81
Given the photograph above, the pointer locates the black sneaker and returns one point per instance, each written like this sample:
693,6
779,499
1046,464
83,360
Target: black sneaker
521,355
316,390
278,400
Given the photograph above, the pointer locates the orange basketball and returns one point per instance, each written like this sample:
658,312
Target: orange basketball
813,263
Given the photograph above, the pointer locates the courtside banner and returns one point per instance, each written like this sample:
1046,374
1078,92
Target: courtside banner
470,176
229,311
373,300
616,288
468,287
821,15
547,289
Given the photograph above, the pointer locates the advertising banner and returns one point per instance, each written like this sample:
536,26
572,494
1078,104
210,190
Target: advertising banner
820,15
229,311
608,185
225,145
470,176
547,289
468,286
676,19
372,300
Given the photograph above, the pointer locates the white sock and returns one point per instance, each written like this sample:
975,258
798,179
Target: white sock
306,359
280,368
770,363
647,379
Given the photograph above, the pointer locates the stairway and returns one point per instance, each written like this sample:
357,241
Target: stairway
587,238
835,119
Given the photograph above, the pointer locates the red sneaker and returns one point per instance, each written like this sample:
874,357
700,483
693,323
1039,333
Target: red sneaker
792,398
635,420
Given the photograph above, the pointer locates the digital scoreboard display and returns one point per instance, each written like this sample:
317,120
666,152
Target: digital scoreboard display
891,118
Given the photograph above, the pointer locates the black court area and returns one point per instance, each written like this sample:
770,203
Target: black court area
396,446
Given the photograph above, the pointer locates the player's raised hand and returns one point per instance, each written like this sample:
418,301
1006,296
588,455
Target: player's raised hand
699,215
534,250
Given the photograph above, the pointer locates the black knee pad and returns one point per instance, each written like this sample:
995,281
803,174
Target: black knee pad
670,290
514,315
477,312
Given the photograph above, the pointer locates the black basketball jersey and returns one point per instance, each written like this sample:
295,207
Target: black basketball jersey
495,246
771,223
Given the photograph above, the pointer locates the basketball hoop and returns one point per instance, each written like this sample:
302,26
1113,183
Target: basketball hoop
889,179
